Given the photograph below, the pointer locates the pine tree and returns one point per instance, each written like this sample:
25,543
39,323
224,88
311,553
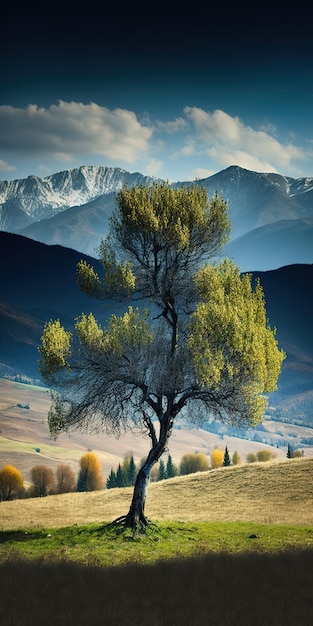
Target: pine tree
162,470
227,460
171,470
289,452
111,482
121,478
132,471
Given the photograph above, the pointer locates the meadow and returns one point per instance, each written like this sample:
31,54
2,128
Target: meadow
228,546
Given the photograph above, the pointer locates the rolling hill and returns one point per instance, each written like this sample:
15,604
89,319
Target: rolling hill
39,283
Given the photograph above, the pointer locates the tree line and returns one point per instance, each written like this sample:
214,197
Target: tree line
45,482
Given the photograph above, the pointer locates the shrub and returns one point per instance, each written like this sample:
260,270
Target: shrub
66,479
11,483
43,481
236,460
251,458
193,462
265,455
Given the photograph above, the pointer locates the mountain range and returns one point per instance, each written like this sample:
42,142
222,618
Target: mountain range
271,215
44,235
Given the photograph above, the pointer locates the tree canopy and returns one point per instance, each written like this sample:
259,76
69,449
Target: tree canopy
194,339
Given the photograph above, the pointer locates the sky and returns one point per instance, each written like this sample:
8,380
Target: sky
169,90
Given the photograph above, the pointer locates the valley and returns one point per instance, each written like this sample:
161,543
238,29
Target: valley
25,440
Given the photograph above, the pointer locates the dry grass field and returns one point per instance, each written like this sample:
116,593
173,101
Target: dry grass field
279,492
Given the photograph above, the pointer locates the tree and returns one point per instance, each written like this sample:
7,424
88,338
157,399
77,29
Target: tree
193,462
11,483
265,455
289,452
65,478
171,469
217,458
90,477
162,470
236,460
43,481
226,460
111,482
130,470
202,349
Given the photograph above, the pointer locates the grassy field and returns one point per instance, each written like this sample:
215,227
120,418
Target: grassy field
279,492
232,546
229,546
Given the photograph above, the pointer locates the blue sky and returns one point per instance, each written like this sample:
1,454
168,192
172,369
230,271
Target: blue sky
177,93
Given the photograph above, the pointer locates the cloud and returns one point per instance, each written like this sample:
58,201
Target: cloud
5,167
229,142
173,126
69,129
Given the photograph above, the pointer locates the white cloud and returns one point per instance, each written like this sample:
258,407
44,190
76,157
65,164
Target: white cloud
153,167
68,129
174,126
230,142
5,167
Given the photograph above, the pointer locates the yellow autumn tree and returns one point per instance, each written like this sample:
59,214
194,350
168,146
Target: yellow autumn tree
11,483
90,477
217,458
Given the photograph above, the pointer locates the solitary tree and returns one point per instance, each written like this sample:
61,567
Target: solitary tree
11,483
202,348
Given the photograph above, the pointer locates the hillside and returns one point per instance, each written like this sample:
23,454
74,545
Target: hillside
39,283
25,439
277,493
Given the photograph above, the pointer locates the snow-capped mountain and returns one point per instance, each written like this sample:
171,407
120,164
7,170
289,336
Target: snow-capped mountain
72,209
42,198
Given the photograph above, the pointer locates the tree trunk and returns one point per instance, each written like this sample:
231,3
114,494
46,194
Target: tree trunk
136,518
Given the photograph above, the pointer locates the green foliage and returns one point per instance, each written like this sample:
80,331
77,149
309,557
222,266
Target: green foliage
89,477
125,475
226,460
171,469
162,470
193,462
11,483
231,341
55,349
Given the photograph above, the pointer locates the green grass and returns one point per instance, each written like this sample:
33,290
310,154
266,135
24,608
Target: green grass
105,545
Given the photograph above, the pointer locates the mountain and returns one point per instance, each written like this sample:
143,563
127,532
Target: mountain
38,284
273,245
270,213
